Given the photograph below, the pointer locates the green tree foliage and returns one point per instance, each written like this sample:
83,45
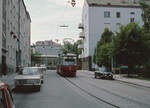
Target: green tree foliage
146,31
146,15
102,54
75,48
106,37
69,47
131,46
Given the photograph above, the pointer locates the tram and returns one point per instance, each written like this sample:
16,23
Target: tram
67,65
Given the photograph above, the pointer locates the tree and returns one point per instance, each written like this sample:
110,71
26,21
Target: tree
146,15
102,54
69,47
106,37
131,46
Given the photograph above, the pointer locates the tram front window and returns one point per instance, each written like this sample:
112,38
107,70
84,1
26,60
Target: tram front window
69,62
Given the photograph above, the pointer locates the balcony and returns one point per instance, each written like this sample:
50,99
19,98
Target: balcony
81,35
81,26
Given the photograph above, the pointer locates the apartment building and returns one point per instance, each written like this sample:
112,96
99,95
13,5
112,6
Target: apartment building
12,32
100,14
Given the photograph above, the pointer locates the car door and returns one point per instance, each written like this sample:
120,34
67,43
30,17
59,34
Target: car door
3,99
11,101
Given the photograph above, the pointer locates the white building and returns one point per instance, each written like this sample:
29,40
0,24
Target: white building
12,32
100,14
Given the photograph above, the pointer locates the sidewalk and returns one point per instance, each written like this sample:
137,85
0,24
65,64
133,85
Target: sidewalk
134,81
8,79
120,78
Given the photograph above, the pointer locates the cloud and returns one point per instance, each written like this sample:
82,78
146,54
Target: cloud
47,15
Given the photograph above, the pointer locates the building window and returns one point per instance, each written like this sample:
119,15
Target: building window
106,14
131,19
107,25
118,14
132,13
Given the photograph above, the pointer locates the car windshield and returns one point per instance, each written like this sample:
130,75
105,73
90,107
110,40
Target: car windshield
103,69
31,71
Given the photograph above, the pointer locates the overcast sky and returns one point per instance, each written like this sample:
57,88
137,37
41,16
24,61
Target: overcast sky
48,15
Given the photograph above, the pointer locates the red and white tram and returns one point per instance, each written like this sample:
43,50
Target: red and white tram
67,65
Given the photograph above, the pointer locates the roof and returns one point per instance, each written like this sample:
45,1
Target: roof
122,3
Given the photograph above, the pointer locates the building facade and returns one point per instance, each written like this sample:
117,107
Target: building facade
100,14
48,51
12,12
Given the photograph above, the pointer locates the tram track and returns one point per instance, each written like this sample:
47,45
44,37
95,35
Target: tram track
124,83
114,94
92,95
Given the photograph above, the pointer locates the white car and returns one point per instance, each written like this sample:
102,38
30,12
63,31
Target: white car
28,79
35,71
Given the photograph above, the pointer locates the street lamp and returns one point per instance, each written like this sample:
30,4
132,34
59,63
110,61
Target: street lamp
63,25
72,2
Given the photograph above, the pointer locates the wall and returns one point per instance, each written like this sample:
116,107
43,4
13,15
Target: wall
12,33
85,21
11,41
47,50
97,21
24,35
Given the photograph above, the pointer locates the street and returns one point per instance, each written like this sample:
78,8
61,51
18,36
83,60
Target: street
84,91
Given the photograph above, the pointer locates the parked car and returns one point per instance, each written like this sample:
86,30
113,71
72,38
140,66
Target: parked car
6,99
40,71
35,71
103,73
30,78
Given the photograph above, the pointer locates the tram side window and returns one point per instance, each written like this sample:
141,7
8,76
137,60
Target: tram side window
3,102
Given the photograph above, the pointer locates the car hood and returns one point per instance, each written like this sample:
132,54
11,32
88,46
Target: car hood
27,77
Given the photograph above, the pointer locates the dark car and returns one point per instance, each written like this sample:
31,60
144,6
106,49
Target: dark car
103,74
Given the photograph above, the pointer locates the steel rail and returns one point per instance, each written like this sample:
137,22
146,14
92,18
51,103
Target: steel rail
90,94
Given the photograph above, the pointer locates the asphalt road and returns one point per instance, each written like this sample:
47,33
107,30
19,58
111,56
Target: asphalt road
84,91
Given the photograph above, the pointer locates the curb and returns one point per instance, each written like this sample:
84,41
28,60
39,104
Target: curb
132,83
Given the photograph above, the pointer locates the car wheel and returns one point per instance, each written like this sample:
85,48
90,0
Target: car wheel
39,88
